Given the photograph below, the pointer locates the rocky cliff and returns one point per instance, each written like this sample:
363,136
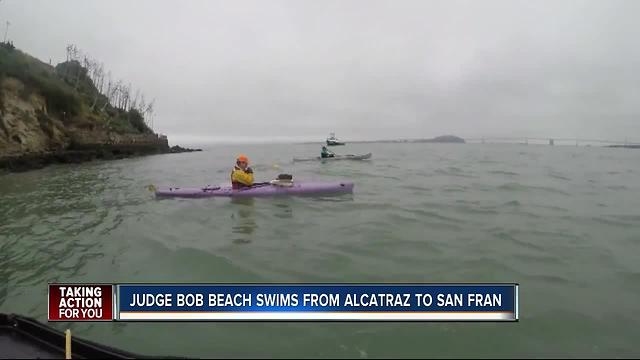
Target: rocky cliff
31,137
44,119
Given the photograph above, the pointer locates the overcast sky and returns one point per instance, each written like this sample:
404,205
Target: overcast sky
364,69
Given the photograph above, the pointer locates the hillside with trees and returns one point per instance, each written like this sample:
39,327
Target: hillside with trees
70,112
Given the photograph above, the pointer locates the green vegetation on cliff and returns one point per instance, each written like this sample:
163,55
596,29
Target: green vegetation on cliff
71,95
36,75
69,113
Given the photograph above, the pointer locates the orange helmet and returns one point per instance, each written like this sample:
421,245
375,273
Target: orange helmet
243,158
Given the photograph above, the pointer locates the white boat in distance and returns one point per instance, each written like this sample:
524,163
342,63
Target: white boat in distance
333,141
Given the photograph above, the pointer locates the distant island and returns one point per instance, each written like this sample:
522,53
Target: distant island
69,113
443,139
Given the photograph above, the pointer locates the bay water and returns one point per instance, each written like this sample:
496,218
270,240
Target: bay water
562,221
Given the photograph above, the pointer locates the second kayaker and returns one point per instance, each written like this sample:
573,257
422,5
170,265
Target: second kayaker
325,153
242,174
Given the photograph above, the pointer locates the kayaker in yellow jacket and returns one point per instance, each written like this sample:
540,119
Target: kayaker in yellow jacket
242,174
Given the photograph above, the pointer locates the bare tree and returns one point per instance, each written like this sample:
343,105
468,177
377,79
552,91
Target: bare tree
72,53
69,51
96,76
134,102
92,70
86,64
100,79
127,97
109,93
142,106
149,109
123,96
6,31
117,94
150,113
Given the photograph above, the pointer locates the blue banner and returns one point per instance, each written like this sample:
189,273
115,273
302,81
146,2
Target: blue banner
318,298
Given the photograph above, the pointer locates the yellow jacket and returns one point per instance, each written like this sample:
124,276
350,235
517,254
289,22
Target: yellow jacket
241,178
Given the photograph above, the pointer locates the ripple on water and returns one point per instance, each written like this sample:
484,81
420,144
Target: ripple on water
557,278
516,237
618,187
558,176
517,187
613,220
415,188
503,172
462,206
436,215
512,203
454,188
453,171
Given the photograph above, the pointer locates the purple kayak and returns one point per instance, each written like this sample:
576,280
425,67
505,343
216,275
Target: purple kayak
298,189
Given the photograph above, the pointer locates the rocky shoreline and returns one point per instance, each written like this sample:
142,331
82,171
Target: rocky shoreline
86,152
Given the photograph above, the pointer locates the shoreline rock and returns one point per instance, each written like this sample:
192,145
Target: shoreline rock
77,154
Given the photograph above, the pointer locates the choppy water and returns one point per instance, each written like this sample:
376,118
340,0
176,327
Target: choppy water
564,222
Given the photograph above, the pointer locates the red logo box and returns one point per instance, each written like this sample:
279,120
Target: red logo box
80,302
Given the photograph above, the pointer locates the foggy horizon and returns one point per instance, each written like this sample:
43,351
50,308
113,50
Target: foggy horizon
366,70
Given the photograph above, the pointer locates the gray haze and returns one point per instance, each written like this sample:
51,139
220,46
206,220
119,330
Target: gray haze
364,69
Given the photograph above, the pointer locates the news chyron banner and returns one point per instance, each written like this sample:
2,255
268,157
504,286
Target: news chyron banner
283,302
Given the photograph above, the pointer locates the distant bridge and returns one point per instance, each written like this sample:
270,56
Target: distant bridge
549,140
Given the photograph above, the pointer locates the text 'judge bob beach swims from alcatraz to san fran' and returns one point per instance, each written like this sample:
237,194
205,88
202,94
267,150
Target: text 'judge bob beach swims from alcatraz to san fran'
312,299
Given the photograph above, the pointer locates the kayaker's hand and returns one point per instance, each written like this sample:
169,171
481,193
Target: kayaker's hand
249,170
